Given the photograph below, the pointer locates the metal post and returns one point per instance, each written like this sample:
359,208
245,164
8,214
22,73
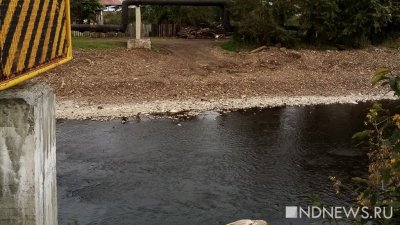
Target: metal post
138,22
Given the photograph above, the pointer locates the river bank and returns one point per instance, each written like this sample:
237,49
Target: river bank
198,75
86,110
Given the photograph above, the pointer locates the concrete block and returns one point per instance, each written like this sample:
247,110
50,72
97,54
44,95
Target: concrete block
139,43
28,187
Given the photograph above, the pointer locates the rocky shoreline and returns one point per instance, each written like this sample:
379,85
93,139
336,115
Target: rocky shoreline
164,108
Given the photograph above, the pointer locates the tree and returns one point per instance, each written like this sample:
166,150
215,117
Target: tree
319,21
181,15
323,22
348,22
84,11
263,22
363,20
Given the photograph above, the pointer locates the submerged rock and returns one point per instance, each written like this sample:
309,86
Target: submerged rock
249,222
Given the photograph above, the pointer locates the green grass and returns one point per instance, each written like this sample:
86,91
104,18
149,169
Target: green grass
155,47
301,46
236,46
392,43
98,43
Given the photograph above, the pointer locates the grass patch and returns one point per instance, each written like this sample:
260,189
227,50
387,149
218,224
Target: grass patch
155,47
301,46
98,43
392,43
236,46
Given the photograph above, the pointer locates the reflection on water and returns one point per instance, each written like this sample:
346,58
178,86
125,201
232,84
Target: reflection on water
210,170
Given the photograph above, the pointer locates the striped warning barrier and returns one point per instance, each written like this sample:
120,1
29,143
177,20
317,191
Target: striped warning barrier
35,36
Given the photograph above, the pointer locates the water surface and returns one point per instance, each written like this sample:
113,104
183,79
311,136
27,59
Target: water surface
212,169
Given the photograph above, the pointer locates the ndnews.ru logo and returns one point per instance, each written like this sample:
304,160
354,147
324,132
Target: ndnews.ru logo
338,212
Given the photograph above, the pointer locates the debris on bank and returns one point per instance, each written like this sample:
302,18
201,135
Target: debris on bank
203,32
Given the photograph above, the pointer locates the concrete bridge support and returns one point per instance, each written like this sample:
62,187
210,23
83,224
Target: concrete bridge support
138,21
28,187
138,42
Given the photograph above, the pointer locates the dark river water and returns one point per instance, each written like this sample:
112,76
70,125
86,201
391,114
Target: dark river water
212,169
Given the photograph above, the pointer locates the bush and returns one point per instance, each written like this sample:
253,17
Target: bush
348,22
321,22
181,15
363,21
235,46
113,18
84,11
262,22
382,188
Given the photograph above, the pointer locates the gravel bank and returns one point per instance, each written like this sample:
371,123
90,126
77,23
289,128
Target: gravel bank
197,76
84,110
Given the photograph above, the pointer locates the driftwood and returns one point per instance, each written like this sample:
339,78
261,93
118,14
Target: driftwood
262,48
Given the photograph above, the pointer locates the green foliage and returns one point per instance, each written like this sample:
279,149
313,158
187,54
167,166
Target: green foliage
181,15
380,75
98,43
84,10
236,46
393,41
263,22
362,135
382,188
363,20
360,180
320,22
394,83
74,222
354,23
112,18
394,25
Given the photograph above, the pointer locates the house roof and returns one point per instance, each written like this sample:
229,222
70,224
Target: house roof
110,2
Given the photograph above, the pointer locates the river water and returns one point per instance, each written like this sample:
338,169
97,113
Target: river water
212,169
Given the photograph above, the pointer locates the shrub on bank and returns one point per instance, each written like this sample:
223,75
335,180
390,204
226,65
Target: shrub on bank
382,188
320,22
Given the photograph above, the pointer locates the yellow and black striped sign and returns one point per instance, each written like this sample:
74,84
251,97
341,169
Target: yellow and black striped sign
35,36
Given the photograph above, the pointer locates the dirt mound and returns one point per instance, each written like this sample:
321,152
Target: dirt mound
200,69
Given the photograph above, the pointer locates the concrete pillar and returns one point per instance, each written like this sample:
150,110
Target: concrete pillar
28,187
138,42
101,18
138,20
